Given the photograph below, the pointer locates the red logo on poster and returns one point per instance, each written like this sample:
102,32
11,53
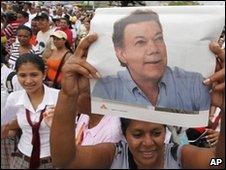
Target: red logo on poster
103,107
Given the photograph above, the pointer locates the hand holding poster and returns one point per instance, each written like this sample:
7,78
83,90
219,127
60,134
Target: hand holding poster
152,58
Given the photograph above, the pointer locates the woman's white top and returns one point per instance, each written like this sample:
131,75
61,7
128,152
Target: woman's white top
16,105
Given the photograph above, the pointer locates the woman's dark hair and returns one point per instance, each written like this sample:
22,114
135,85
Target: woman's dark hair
30,58
67,18
124,124
23,27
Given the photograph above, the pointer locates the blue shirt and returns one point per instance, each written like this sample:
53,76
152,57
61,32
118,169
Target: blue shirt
178,89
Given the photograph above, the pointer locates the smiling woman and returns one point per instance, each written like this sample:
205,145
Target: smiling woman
30,76
146,144
23,46
26,107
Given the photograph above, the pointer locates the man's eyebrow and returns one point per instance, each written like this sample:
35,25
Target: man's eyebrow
158,33
139,37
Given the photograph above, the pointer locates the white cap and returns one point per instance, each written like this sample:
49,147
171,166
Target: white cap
59,34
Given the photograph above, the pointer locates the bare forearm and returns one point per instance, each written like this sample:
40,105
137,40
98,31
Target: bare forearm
62,136
220,149
13,125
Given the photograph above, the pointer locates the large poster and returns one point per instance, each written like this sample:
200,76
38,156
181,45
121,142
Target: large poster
153,60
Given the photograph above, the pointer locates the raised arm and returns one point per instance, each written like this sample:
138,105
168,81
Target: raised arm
194,157
62,139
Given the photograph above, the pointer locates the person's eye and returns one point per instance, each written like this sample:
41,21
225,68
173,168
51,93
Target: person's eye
21,75
140,42
137,134
156,133
34,74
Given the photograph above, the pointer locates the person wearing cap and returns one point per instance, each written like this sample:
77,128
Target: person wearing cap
43,36
57,58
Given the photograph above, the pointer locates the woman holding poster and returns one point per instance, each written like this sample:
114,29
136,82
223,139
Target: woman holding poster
145,146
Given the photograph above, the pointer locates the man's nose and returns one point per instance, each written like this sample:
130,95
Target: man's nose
151,47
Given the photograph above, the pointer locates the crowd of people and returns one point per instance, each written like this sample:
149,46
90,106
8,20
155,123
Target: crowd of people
75,23
50,34
45,97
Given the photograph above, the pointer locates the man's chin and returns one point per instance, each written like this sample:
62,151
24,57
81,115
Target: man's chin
155,74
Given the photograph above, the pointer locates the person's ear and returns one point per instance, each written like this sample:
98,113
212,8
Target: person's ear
120,55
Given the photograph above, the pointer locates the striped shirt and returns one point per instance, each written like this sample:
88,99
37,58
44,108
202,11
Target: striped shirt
14,54
10,33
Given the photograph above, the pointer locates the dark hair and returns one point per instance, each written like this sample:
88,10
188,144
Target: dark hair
24,14
124,124
30,58
67,19
135,17
55,20
23,27
10,16
35,19
42,16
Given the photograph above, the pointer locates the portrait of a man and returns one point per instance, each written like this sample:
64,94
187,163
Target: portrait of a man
147,80
153,62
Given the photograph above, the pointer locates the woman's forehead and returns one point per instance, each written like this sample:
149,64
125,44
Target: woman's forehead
142,124
28,65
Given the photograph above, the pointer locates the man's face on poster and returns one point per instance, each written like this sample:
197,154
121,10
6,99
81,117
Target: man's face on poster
144,51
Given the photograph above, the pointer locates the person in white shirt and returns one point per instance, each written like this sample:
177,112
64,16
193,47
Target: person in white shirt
5,71
8,79
24,109
43,36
